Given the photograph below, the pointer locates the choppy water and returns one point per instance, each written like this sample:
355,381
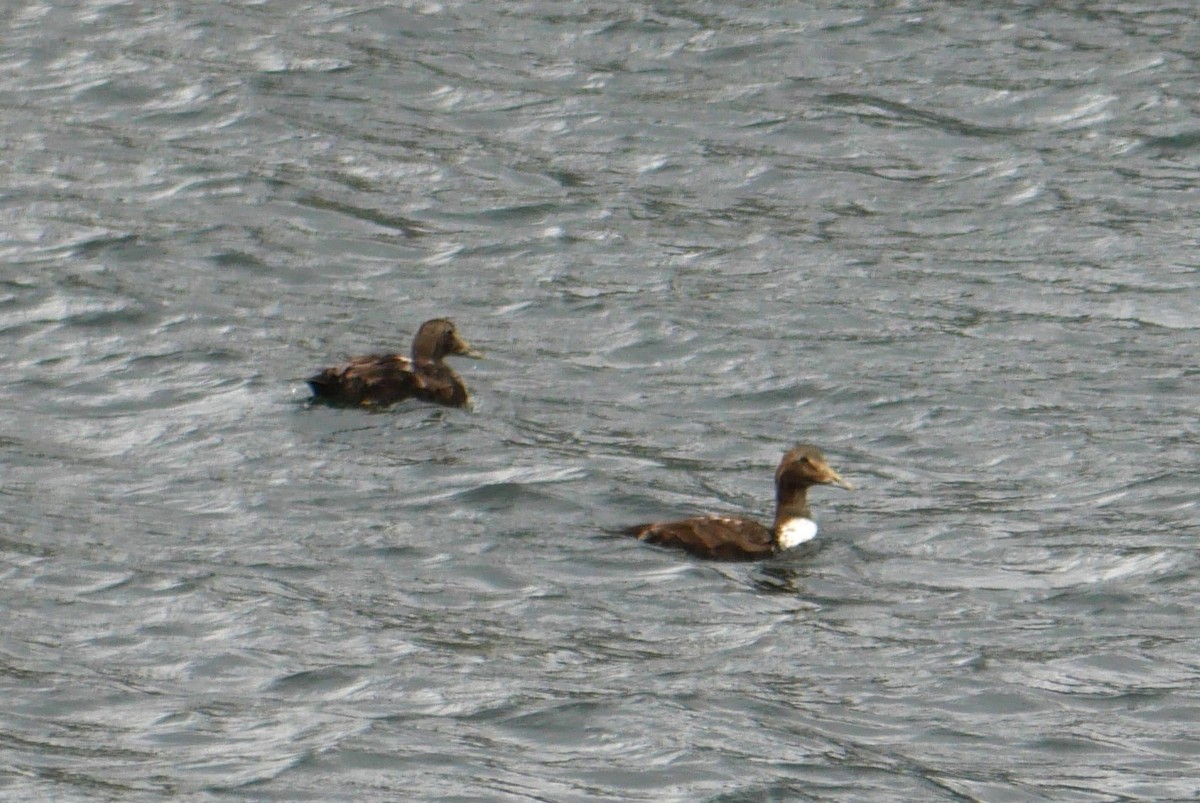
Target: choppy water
953,244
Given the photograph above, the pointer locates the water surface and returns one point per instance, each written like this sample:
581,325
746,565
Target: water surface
952,244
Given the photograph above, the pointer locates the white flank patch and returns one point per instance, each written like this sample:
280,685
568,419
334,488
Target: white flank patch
796,531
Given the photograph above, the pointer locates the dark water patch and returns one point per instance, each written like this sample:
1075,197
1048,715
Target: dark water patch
96,247
1174,145
406,227
882,109
326,683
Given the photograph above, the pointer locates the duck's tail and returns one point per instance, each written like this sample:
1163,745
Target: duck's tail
324,385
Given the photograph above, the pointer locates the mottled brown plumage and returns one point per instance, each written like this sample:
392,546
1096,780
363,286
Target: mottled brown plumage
377,380
730,538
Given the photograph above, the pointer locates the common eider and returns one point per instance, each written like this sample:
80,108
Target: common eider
731,538
377,380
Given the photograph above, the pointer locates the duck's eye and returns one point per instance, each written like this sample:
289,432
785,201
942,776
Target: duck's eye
805,461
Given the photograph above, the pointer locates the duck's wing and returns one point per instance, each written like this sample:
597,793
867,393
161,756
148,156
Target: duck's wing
369,379
381,379
371,364
712,537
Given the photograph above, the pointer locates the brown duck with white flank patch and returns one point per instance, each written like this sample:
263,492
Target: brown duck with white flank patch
729,538
377,380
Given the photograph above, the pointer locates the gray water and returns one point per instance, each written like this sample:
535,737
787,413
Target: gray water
954,244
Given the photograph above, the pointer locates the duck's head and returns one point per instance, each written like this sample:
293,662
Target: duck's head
438,338
801,468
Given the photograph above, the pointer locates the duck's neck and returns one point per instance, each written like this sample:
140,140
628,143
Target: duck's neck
792,505
793,520
426,356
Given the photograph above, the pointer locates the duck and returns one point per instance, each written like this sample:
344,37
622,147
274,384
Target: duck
377,380
731,538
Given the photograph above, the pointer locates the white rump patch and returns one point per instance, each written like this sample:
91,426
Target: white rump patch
796,531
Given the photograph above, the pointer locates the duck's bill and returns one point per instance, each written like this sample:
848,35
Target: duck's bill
833,478
463,349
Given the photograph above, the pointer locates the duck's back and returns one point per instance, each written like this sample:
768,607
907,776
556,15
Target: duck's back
373,379
712,537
